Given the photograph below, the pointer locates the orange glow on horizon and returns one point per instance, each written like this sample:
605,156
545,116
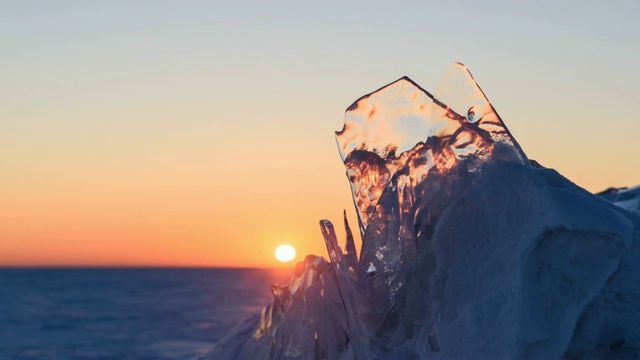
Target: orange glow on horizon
154,216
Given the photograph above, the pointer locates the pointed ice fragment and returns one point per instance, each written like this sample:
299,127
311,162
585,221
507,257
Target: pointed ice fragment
461,98
371,269
350,246
378,128
354,299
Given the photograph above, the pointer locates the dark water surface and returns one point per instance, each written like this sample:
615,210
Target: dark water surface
143,313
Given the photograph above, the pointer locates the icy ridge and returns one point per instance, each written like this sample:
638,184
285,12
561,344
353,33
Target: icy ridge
468,251
514,281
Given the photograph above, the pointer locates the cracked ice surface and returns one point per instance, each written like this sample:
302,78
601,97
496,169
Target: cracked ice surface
468,250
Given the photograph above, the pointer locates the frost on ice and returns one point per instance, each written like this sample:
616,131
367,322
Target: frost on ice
469,249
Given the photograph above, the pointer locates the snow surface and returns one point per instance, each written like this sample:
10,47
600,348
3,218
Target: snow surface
626,198
468,251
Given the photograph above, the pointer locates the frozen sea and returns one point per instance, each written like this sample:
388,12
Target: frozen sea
141,313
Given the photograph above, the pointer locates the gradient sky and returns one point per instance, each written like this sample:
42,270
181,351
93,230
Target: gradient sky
201,133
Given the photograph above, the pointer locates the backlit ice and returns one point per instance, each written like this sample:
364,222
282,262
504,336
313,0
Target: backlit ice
470,249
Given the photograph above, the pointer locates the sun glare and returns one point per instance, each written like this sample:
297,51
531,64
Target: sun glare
285,253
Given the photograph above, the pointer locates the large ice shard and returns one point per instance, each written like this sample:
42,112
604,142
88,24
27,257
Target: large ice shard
408,154
468,250
383,131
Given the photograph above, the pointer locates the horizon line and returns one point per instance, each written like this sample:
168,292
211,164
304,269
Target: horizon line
88,267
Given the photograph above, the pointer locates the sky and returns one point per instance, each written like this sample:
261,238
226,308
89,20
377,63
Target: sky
201,133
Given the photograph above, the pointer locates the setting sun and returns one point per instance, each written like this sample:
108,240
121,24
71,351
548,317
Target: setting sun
285,253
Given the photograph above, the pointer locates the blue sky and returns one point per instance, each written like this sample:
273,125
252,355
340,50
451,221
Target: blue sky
171,106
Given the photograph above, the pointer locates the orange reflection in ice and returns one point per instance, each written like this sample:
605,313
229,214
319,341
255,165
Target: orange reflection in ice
400,136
